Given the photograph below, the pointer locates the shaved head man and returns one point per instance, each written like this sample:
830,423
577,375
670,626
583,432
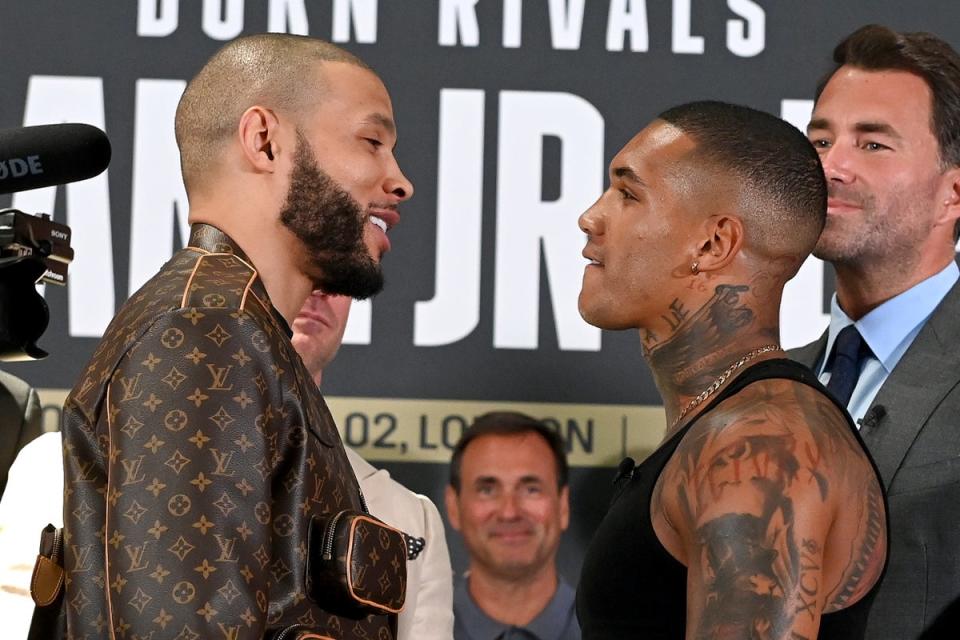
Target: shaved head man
740,524
198,452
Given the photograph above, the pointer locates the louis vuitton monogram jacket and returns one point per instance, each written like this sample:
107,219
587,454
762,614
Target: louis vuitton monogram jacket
196,451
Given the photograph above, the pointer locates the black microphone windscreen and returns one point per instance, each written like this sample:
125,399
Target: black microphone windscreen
51,154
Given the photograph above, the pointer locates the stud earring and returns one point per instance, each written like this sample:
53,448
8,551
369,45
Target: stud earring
695,268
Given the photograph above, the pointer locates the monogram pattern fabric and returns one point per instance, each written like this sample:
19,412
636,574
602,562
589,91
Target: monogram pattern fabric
196,451
360,562
378,559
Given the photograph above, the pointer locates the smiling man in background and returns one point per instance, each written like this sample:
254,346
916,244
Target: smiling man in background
887,126
509,498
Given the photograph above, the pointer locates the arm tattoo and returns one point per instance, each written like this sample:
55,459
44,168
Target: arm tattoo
740,480
751,560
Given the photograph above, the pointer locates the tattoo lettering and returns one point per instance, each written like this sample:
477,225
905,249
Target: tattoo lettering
677,314
810,569
709,330
649,338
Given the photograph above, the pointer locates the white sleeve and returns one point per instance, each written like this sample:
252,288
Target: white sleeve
433,615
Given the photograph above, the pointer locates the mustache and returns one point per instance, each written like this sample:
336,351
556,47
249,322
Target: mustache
848,194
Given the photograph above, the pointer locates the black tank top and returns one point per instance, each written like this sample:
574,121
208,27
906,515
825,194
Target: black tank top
631,587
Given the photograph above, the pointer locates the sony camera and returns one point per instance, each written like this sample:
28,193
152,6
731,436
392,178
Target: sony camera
33,250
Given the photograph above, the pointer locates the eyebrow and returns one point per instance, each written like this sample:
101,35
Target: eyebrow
859,127
628,174
383,121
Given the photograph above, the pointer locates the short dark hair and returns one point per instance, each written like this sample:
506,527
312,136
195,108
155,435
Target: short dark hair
775,169
878,48
509,423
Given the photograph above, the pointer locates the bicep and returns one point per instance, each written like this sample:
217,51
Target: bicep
754,528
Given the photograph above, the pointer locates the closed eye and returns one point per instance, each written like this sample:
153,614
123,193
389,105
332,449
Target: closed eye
626,194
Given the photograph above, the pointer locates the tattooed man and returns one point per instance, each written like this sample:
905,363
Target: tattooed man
197,449
760,515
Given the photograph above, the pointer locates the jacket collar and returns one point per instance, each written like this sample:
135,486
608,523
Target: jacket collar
209,239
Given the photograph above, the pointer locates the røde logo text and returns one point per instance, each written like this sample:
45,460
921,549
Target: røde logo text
19,167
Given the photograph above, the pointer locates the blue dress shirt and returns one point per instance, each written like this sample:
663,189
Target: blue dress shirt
888,330
557,621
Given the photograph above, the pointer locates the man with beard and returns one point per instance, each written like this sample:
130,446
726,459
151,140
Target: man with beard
887,125
197,449
509,497
760,515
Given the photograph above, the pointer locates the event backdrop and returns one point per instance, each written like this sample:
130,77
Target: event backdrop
508,114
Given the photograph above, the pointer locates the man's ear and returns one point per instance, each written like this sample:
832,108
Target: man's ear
722,241
453,508
257,133
950,212
564,508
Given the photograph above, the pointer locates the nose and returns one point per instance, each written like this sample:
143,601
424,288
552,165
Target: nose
591,220
509,507
837,164
397,184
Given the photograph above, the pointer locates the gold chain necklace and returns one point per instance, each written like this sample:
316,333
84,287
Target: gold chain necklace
706,393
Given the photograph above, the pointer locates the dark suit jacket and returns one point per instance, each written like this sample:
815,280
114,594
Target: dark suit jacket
916,445
19,420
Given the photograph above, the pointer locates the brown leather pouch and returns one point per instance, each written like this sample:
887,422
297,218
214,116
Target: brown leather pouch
46,587
357,565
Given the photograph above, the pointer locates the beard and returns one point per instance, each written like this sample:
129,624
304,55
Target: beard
887,232
330,223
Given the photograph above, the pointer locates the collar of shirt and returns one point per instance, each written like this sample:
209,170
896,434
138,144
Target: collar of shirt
890,328
549,624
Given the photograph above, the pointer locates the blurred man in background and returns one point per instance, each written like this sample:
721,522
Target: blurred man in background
509,498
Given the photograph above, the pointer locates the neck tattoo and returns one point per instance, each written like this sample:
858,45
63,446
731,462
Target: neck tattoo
723,377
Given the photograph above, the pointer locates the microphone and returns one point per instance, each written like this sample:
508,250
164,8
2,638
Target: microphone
51,154
871,419
625,470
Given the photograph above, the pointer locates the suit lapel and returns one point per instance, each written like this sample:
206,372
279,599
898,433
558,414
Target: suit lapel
810,354
926,373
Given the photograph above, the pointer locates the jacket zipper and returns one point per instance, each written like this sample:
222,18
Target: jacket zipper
284,632
57,546
328,535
